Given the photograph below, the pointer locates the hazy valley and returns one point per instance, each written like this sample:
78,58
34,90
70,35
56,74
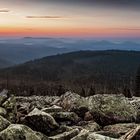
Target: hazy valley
20,50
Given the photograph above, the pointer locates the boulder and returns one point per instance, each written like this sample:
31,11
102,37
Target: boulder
135,101
120,129
109,134
41,121
94,136
41,136
3,96
82,135
37,101
133,134
61,129
10,103
66,135
68,117
3,123
105,109
111,109
20,132
22,111
91,126
24,108
72,101
3,112
53,108
10,106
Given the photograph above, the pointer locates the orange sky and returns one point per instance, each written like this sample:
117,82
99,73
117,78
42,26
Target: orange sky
50,19
87,32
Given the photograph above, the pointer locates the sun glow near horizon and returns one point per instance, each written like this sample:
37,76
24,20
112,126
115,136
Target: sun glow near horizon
45,18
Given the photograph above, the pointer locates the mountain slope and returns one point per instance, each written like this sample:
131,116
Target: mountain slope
5,63
105,68
20,53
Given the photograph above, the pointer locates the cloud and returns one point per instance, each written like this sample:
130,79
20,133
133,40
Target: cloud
4,10
44,17
128,29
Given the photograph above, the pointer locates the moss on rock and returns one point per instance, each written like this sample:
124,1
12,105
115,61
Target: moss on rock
111,109
20,132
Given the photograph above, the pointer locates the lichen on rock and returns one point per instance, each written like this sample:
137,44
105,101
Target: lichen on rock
20,132
41,121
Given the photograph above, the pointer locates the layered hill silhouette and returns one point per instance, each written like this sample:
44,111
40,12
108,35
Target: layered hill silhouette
20,53
20,50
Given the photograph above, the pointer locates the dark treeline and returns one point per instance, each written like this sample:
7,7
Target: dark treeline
26,87
57,89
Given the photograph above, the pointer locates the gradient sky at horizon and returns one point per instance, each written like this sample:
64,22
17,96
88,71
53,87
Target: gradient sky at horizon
80,18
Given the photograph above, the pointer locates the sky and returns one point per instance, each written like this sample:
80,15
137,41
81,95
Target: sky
70,18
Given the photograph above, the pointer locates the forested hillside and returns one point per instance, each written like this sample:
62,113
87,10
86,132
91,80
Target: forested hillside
103,70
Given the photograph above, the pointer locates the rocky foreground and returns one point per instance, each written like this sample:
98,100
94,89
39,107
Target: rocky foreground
69,117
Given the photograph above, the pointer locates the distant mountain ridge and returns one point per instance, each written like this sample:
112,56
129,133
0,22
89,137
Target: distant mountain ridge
29,48
20,53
